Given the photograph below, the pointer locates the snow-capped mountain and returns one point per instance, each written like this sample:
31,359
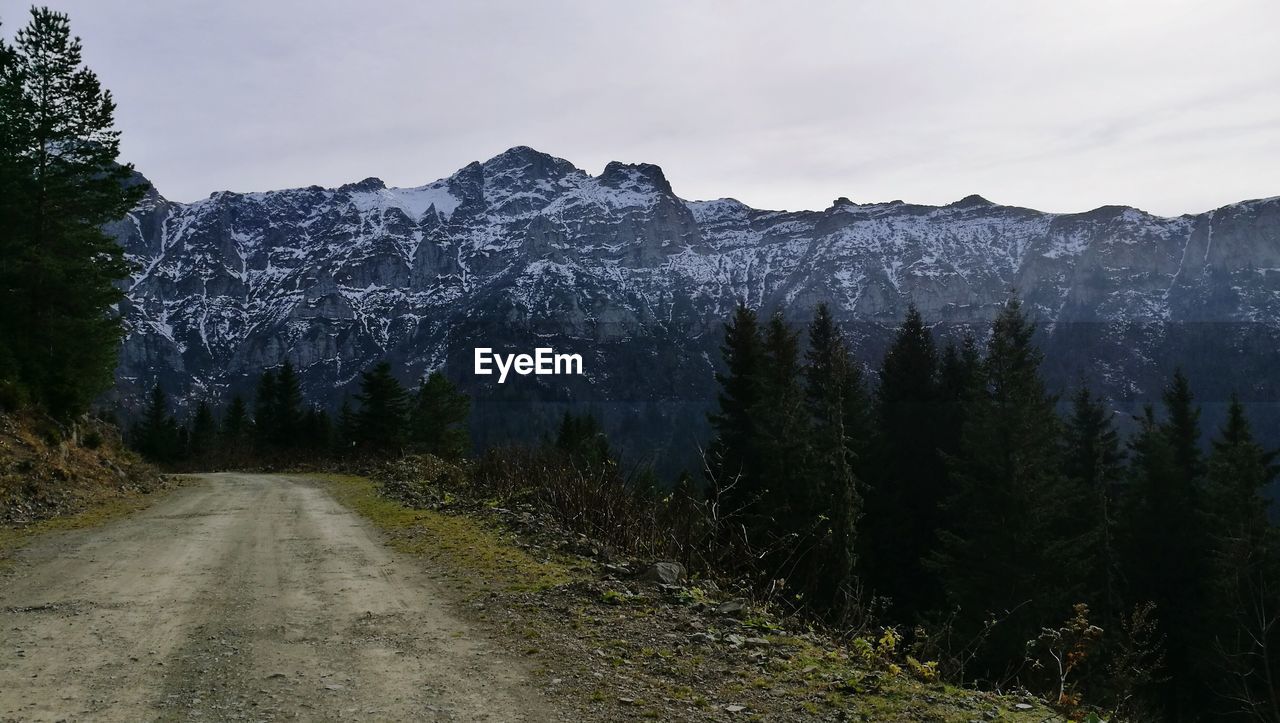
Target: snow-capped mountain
525,249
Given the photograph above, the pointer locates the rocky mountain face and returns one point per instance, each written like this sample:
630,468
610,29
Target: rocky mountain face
527,250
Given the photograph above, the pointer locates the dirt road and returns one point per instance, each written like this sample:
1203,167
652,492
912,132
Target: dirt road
242,597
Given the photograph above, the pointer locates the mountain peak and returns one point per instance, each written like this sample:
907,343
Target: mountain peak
618,175
973,200
526,161
369,184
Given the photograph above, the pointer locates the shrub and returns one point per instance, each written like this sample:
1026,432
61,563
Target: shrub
598,501
421,481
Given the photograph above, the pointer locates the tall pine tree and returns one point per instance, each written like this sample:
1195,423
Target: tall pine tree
347,434
1011,551
1167,547
155,436
832,494
1094,462
236,427
438,418
733,455
202,432
384,410
782,515
264,411
906,483
59,185
287,414
1246,594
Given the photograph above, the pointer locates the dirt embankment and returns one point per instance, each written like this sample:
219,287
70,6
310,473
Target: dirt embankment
50,471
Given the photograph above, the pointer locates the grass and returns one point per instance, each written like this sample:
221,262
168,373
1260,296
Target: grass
484,556
13,539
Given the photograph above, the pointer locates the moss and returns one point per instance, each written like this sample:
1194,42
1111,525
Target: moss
462,542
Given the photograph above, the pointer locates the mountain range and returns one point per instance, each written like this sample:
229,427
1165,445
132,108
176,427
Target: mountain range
526,250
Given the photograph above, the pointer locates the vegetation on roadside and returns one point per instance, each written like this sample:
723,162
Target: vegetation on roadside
462,542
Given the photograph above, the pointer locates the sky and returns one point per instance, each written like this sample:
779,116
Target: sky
1172,106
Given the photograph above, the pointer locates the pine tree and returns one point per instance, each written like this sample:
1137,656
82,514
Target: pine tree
347,434
833,498
1246,567
782,515
1167,546
316,430
959,382
14,184
384,408
1094,462
287,408
858,411
1182,429
203,432
235,424
1011,549
906,484
264,411
59,185
732,457
438,418
583,441
156,434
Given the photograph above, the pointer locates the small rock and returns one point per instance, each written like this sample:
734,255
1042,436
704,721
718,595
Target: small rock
667,573
1023,706
734,708
619,569
734,608
735,640
757,643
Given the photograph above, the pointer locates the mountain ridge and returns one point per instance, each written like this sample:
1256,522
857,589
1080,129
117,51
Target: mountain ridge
526,246
970,199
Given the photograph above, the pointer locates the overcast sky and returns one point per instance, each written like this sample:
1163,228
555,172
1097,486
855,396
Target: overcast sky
1169,105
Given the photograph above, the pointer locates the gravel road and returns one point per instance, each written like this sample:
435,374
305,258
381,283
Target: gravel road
242,597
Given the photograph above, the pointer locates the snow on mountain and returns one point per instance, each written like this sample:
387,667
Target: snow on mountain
527,246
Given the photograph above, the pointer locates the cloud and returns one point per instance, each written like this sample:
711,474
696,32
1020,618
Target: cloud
1168,105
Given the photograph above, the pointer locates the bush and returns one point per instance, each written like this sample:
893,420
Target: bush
92,439
421,481
598,501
